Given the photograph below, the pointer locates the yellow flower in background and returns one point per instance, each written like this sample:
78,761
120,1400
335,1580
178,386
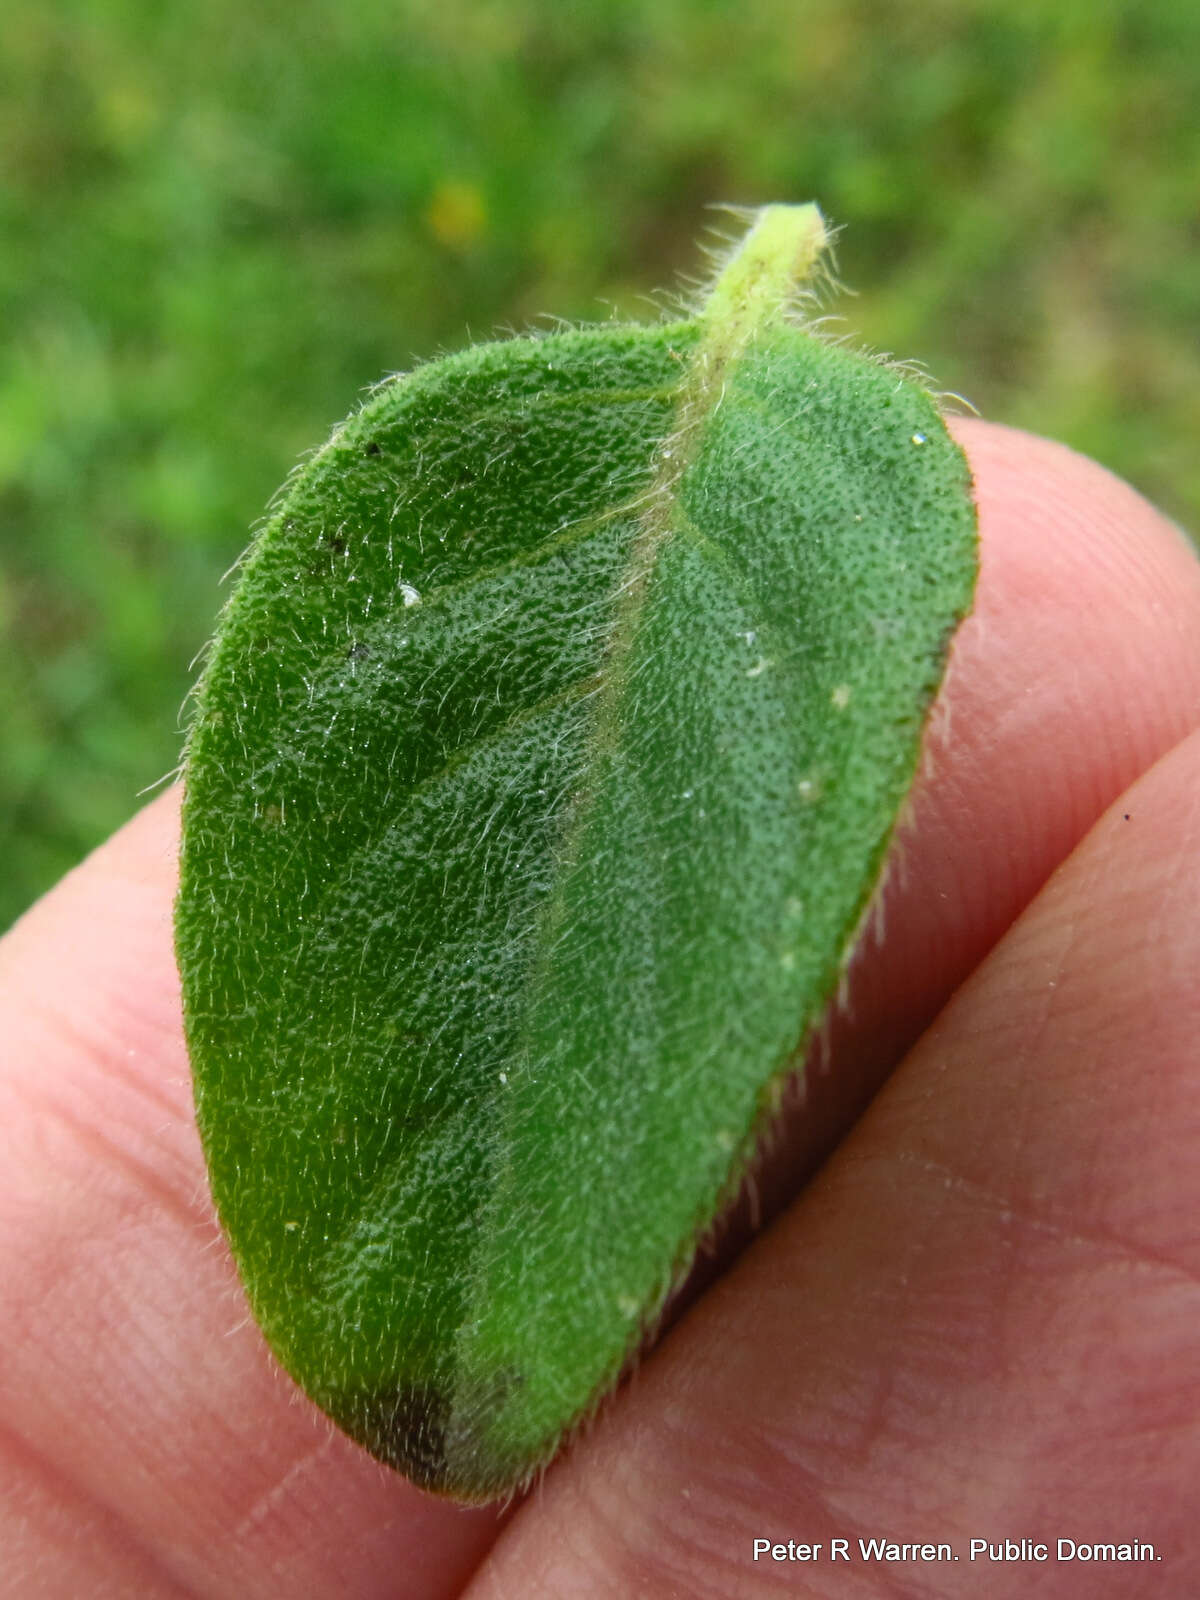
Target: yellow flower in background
129,114
456,214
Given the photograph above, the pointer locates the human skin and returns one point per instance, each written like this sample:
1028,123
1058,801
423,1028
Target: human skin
980,1317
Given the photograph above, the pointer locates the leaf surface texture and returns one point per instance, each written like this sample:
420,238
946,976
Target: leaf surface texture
542,771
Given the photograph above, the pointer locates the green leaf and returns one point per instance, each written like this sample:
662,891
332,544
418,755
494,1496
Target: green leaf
542,771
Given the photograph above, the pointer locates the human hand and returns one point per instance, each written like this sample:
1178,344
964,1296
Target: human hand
977,1321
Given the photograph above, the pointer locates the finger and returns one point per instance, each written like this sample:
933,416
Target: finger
978,1322
147,1444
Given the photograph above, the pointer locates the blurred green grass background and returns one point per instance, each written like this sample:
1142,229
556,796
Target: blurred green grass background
221,223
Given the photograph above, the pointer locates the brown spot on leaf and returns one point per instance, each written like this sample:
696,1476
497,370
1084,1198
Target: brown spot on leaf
406,1427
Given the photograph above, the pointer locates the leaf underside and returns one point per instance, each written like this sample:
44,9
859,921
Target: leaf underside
536,790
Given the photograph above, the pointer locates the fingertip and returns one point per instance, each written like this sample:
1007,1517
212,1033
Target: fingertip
1078,668
1059,516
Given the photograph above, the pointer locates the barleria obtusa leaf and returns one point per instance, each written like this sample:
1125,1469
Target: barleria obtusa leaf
542,770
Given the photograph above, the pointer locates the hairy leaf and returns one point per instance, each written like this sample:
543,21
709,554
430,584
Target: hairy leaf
542,770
